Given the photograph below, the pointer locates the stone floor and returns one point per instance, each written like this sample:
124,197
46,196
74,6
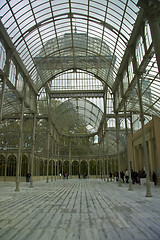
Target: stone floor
78,209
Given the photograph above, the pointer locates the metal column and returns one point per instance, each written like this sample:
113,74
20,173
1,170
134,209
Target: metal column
129,165
148,189
2,98
48,149
19,149
33,149
118,153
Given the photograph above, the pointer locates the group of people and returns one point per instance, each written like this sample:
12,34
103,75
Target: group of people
84,175
135,176
65,176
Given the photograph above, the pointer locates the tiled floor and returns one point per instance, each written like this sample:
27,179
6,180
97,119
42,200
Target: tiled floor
78,209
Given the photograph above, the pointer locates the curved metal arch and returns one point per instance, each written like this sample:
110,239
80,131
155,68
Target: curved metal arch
75,161
80,53
99,74
43,14
57,74
63,113
91,103
50,20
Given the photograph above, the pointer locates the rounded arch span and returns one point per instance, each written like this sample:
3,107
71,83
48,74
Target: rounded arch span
24,165
80,115
75,167
52,78
92,167
65,168
11,165
2,164
76,51
84,168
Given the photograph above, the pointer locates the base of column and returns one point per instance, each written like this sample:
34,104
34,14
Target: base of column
17,184
31,184
148,195
107,178
17,187
148,192
130,187
119,183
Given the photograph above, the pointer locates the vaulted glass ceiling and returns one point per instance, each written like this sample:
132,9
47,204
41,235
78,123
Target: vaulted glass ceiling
73,51
66,34
77,117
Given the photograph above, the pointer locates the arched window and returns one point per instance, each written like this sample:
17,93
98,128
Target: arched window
75,168
92,167
139,50
130,70
148,36
96,139
111,123
2,165
12,73
11,166
125,81
24,165
19,83
123,124
2,56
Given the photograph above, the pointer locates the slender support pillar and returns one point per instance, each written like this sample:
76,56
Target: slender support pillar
2,98
152,155
55,149
5,169
107,157
96,169
48,148
19,149
136,158
70,159
106,127
58,169
62,168
79,167
88,169
133,154
52,161
33,149
129,165
148,188
55,172
104,167
101,167
118,153
70,169
107,170
111,167
52,170
58,165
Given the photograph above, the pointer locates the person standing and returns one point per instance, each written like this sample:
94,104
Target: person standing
127,176
154,178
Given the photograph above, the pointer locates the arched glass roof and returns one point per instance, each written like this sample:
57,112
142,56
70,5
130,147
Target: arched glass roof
76,52
70,32
77,116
